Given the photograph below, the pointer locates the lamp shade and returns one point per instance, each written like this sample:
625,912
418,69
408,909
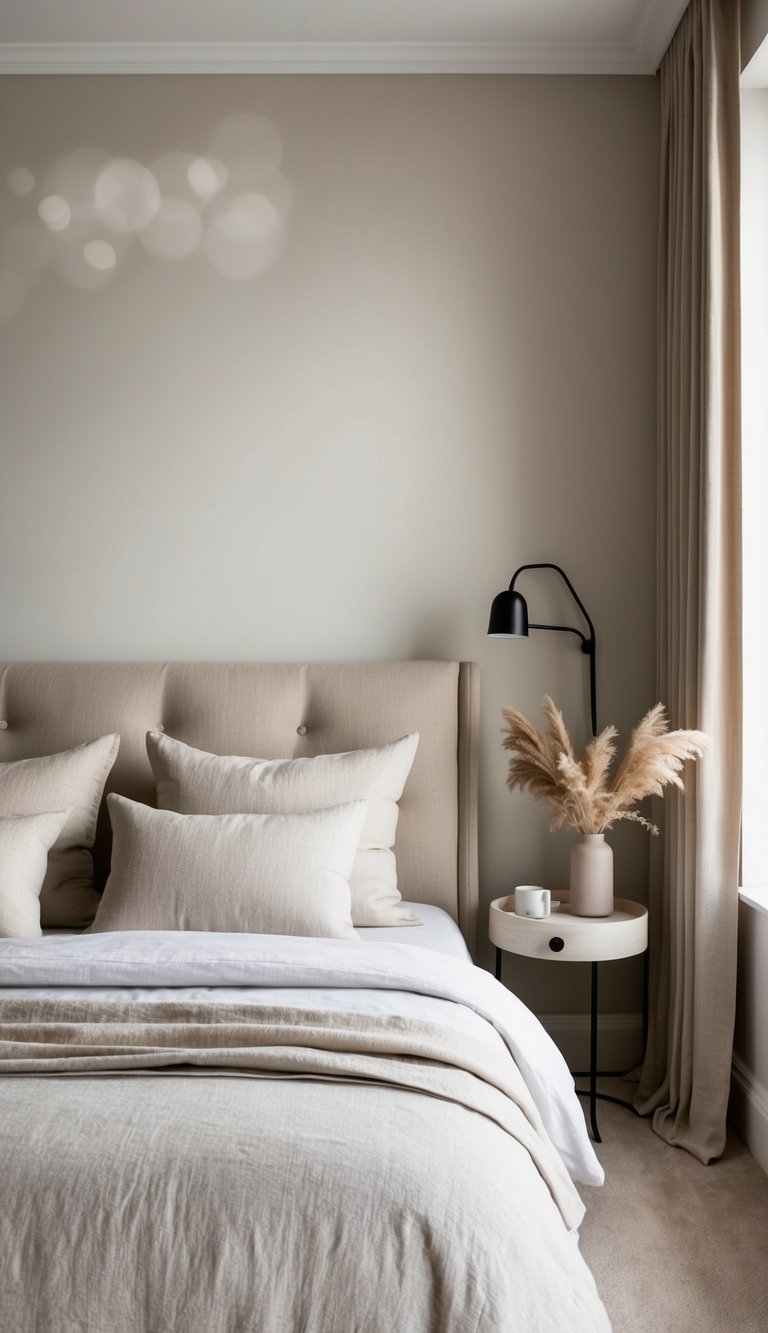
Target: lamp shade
509,616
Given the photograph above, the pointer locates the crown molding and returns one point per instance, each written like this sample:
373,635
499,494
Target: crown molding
332,57
656,30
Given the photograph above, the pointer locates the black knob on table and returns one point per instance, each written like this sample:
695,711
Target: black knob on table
556,944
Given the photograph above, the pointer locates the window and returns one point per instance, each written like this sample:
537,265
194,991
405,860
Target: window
754,240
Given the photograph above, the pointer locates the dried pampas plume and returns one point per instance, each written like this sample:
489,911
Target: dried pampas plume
580,793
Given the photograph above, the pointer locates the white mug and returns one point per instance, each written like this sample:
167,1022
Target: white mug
532,900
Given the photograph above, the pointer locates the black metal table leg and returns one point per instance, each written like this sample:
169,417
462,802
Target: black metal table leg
593,1057
646,980
591,1092
498,964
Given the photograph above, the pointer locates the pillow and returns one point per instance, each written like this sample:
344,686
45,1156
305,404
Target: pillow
195,783
266,874
24,844
73,779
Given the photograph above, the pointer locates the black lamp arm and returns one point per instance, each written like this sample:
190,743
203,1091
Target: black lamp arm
588,644
571,589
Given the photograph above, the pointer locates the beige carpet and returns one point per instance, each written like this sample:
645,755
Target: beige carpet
676,1247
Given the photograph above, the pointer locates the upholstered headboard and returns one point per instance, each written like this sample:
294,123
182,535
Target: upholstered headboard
277,711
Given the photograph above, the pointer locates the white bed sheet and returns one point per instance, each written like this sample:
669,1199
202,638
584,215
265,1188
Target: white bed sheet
437,931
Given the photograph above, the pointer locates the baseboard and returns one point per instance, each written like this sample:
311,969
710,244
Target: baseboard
748,1111
620,1039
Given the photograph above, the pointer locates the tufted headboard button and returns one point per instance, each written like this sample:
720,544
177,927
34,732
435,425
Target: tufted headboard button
301,730
3,724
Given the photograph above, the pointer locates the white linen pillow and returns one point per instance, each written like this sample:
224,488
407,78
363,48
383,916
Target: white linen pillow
25,841
72,780
194,782
264,874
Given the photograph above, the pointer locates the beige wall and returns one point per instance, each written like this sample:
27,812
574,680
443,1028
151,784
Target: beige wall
449,371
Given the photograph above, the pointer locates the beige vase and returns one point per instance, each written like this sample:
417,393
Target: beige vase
592,876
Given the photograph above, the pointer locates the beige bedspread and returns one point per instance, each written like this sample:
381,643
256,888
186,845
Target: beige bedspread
369,1175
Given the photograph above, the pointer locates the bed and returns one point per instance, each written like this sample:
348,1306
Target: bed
225,1131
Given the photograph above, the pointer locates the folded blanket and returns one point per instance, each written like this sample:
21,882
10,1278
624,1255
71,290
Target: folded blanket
74,1037
156,966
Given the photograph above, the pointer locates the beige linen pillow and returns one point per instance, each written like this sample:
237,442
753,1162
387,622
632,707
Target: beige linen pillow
73,779
266,874
195,782
24,844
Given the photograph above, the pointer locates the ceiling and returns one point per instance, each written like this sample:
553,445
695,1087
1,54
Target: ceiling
336,36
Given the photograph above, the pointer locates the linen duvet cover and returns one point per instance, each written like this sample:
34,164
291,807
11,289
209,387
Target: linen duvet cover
263,1134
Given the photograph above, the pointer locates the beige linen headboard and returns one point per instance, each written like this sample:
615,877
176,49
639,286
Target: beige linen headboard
276,711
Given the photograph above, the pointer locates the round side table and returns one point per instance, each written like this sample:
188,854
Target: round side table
565,938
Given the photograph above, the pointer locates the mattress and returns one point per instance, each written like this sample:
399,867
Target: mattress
437,931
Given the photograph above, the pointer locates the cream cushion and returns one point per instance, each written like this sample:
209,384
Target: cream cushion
24,844
194,782
265,874
73,780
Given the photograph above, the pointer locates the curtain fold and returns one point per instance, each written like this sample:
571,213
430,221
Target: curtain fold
685,1079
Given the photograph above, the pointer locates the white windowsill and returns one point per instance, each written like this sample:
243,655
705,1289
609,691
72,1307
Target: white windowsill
757,898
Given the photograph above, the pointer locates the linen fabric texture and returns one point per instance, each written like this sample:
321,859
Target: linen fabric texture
346,1107
694,905
192,781
312,1186
264,874
25,841
73,781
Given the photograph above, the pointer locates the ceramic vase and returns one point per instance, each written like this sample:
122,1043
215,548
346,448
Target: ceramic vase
592,876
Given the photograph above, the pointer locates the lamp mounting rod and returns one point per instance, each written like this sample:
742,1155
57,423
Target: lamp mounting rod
588,643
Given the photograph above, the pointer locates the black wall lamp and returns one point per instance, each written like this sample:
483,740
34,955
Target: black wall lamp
509,620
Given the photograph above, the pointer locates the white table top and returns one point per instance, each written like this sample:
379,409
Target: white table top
585,938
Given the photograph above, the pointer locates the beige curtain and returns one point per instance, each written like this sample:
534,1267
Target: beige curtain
693,894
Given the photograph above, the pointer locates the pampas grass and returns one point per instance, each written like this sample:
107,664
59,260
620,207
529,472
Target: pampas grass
581,793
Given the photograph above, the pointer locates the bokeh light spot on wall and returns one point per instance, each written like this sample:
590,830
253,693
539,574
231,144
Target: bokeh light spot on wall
100,255
55,212
20,181
227,202
207,176
127,195
73,260
12,292
244,239
254,216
